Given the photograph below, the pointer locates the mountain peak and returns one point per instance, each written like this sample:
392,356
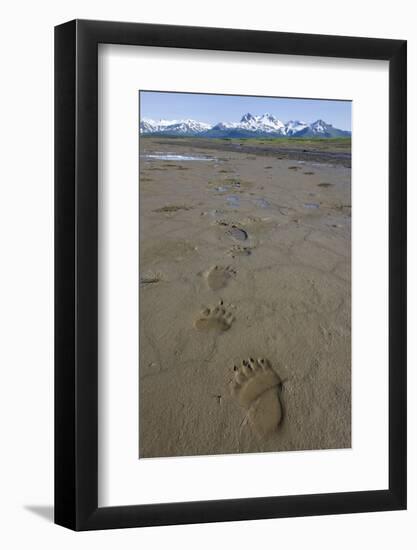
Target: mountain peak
248,117
320,122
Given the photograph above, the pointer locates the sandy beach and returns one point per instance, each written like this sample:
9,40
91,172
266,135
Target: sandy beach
245,298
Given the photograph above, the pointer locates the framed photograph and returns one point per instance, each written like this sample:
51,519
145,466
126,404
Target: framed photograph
230,252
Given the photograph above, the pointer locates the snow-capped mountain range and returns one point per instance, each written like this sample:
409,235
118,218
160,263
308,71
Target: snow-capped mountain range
265,125
174,127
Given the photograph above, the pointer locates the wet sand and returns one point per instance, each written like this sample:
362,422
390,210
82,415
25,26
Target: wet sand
244,301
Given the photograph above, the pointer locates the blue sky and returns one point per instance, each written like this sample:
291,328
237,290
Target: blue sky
215,108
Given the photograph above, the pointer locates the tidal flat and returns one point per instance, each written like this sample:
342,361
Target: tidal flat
245,296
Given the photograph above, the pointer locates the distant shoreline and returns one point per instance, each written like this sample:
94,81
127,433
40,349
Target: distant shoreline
321,150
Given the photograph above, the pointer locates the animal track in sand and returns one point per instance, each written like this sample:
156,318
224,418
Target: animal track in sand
255,387
216,318
238,250
237,233
218,276
234,231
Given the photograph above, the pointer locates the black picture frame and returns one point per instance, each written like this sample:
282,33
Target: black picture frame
76,273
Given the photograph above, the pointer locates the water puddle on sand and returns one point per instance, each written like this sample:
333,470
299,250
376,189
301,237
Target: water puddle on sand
311,205
263,203
233,201
324,164
172,156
